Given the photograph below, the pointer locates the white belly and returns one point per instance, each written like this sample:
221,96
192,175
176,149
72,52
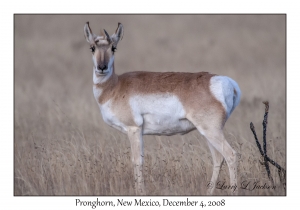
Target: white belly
160,114
162,125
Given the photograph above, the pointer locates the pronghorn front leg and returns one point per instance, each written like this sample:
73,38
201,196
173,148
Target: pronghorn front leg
137,156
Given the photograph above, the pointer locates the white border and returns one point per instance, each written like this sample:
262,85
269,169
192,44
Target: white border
257,6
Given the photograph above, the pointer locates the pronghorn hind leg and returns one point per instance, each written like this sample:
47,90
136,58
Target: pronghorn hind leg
217,161
217,140
136,142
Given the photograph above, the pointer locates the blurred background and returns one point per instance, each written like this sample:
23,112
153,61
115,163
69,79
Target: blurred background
63,147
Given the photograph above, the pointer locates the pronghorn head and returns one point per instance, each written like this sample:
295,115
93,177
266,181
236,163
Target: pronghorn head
103,48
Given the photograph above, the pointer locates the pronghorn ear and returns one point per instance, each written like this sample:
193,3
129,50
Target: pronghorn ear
89,36
118,34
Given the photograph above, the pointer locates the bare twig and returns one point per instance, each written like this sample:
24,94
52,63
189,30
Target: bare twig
265,122
257,142
281,171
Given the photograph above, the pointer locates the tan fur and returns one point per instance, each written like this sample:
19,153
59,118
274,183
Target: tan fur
192,89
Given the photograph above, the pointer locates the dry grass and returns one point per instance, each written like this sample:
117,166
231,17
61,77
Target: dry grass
62,146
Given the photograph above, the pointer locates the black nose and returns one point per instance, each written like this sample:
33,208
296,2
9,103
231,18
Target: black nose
101,67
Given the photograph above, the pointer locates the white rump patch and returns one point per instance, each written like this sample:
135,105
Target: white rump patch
223,88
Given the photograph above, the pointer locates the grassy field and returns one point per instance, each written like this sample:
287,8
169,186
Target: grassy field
63,147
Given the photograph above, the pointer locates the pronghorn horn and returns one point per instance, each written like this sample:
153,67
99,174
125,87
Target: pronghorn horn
102,33
107,36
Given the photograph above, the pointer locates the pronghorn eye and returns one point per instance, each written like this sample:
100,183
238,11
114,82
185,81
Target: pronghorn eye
92,48
113,48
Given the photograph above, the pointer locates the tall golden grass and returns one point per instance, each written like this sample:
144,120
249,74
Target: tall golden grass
63,147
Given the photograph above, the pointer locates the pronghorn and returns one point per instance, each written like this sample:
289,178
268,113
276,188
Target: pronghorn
162,103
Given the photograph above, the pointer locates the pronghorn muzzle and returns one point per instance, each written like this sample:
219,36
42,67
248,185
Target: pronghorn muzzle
102,67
